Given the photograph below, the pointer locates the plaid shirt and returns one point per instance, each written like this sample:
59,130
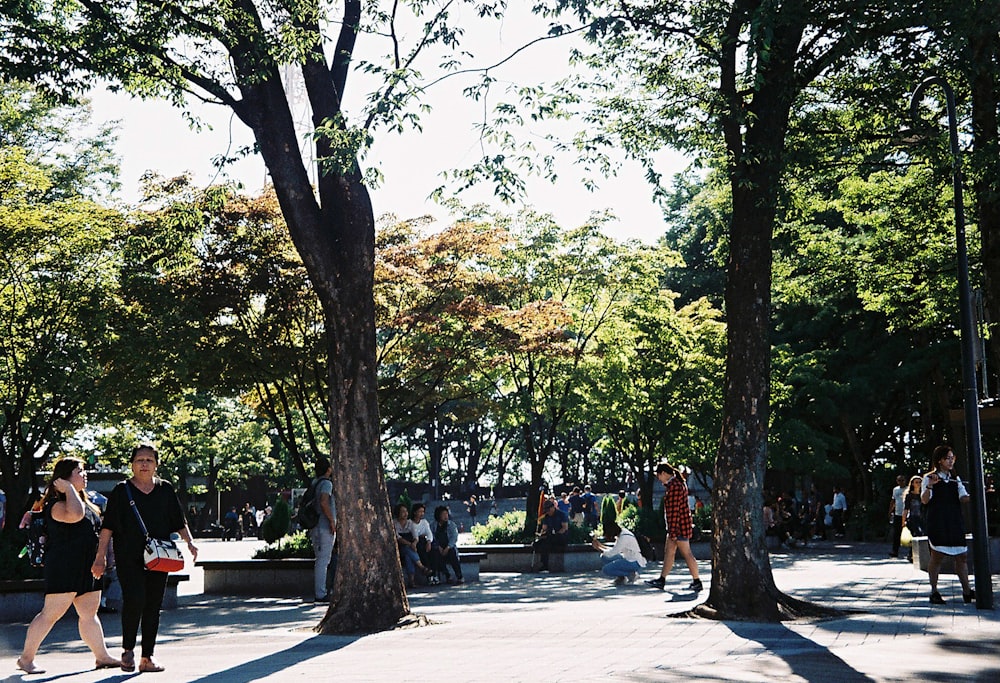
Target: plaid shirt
676,513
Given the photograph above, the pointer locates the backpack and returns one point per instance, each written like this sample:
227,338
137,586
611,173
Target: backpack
308,516
38,531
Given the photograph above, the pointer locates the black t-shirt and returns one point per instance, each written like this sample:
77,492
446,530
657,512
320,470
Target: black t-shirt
160,510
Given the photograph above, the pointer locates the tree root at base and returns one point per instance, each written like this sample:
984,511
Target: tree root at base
785,608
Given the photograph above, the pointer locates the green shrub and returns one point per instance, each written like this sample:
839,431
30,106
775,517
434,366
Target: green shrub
703,517
509,529
296,545
404,498
642,521
609,515
278,523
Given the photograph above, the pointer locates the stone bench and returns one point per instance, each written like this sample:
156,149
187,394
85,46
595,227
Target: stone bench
470,562
285,577
22,599
518,558
291,576
921,551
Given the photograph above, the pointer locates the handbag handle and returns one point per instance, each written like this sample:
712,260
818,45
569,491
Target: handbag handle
135,509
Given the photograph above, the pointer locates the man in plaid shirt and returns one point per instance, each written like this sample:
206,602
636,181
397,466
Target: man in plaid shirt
677,516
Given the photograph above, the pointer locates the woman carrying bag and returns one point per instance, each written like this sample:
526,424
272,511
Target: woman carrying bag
141,509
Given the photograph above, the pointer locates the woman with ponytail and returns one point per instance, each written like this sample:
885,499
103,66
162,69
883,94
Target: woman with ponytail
73,524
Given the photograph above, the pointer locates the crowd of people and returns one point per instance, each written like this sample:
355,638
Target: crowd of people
795,522
84,544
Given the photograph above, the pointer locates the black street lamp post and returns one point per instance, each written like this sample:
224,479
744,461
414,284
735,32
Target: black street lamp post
974,447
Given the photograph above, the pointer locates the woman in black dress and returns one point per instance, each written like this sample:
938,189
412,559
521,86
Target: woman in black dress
943,493
142,590
73,523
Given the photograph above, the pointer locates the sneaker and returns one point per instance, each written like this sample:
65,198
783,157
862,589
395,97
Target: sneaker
695,586
658,582
630,579
936,598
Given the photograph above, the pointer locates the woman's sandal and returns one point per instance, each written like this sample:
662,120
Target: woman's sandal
128,660
149,665
110,664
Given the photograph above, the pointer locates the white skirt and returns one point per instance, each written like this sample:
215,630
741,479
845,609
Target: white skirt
949,549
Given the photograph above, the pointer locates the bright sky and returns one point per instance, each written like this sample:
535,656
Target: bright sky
155,137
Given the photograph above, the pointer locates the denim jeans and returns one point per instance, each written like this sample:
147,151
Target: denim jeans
618,566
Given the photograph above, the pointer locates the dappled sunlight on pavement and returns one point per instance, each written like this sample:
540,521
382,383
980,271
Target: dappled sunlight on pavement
581,627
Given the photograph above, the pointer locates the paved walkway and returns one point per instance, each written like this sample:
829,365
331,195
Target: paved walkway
575,628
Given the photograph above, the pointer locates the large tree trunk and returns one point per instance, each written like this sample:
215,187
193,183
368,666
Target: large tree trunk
368,589
335,237
742,583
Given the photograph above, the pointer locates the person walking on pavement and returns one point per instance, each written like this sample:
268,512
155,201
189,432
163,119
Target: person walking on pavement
73,525
896,509
943,492
838,512
680,526
913,508
142,590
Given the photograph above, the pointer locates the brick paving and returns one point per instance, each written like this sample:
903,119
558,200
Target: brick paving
575,627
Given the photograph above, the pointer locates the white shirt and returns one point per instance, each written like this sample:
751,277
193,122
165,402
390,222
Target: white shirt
422,528
925,484
840,501
627,547
898,496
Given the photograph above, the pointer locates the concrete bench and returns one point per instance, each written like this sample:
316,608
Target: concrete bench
272,578
22,599
287,577
518,558
921,552
170,595
470,562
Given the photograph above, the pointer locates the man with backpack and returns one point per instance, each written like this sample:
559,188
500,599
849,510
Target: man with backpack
318,514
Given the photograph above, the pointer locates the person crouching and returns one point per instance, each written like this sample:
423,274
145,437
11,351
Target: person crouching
624,559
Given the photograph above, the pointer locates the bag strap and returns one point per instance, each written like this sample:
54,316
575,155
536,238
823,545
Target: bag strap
135,509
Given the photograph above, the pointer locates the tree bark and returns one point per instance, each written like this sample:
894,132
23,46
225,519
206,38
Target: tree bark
742,582
335,237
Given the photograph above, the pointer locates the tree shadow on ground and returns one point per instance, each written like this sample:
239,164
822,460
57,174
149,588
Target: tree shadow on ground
498,592
804,657
274,662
